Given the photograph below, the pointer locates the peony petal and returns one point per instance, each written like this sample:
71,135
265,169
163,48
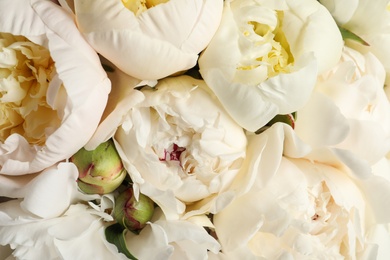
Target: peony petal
77,65
320,122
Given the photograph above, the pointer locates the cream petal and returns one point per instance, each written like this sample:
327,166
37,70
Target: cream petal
121,100
301,26
73,58
154,236
171,34
342,11
160,58
320,122
267,99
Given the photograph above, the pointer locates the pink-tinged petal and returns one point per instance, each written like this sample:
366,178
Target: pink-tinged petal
78,68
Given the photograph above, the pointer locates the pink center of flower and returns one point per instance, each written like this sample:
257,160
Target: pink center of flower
173,153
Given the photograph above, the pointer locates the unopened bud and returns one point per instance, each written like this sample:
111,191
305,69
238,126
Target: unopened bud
101,170
131,213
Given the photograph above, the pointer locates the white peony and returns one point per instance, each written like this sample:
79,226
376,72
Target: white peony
311,207
369,21
264,58
349,108
148,40
52,87
180,147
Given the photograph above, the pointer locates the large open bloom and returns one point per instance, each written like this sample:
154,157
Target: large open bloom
311,207
148,39
264,57
53,89
181,148
349,108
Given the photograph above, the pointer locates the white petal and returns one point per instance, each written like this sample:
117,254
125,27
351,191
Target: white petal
84,79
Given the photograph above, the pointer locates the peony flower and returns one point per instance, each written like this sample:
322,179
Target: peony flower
56,238
49,218
349,109
52,87
368,21
180,148
148,40
298,206
275,50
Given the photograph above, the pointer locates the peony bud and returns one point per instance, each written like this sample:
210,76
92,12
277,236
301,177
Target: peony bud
132,213
101,170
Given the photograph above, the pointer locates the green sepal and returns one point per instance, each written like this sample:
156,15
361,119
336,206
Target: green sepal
288,119
115,234
347,34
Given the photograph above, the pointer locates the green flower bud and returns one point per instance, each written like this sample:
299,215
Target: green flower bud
131,213
101,170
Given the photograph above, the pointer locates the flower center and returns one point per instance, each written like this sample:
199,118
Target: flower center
269,46
139,6
26,70
327,215
172,153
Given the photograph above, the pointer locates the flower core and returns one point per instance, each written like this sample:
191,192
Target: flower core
269,45
139,6
26,70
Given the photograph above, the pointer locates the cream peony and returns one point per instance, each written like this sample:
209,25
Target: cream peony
180,148
311,207
52,87
148,40
264,58
349,108
369,21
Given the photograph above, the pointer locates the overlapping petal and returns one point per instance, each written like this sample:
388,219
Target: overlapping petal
275,51
78,70
158,42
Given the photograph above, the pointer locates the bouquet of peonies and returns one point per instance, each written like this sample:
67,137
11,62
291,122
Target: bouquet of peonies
194,129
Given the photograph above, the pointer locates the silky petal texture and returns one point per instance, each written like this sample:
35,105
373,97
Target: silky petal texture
78,67
320,123
260,99
172,115
272,213
264,154
160,41
47,194
342,11
55,238
309,27
123,97
349,108
171,239
371,23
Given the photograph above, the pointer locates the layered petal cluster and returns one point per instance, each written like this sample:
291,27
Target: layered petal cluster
180,147
53,89
264,58
49,218
145,40
311,207
349,108
173,239
369,21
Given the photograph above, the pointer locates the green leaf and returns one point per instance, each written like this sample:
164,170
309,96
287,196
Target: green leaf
347,34
115,234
